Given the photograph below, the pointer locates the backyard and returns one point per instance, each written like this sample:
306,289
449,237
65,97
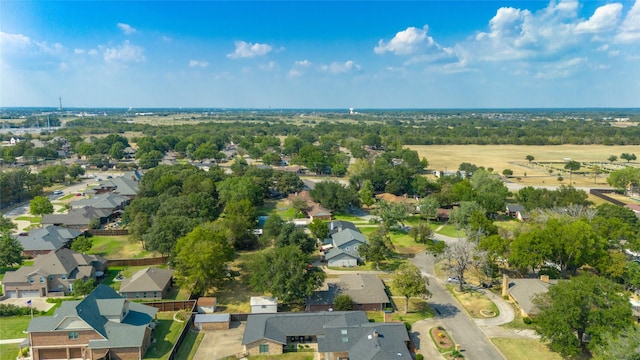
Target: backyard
164,336
117,247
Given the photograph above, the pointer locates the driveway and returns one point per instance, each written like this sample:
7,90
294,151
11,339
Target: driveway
38,303
218,344
473,342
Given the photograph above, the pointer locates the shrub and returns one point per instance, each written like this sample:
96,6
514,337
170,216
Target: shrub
527,320
419,357
407,325
13,310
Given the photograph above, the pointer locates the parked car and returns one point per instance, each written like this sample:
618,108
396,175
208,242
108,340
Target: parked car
57,192
455,280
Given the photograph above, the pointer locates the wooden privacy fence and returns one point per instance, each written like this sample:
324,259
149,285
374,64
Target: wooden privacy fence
601,194
138,262
173,305
112,232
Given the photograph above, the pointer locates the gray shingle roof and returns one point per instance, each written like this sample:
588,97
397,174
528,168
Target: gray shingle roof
93,310
363,289
336,252
47,238
107,201
339,225
147,279
62,261
342,237
525,290
76,217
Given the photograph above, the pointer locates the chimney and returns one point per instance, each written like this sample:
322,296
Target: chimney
505,284
544,278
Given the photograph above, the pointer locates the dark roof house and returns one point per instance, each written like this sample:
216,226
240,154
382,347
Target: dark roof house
367,292
46,239
101,326
148,283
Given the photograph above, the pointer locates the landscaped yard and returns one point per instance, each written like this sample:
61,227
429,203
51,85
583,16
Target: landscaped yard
476,303
9,351
32,219
190,345
12,327
165,335
524,349
117,247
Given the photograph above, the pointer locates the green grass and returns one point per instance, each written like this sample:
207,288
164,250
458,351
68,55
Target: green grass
190,345
12,327
524,349
67,197
451,231
166,333
349,217
117,247
32,219
9,351
287,356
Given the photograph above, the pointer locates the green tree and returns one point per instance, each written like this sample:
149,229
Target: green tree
150,159
293,235
631,275
421,233
366,193
83,287
624,346
82,244
577,315
529,158
10,251
620,179
201,258
392,213
461,215
612,158
40,205
6,225
335,196
628,157
462,255
409,282
428,208
286,273
507,172
343,302
572,166
116,152
75,171
271,229
319,229
379,247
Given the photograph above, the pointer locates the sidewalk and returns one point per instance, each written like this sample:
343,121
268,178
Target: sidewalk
12,341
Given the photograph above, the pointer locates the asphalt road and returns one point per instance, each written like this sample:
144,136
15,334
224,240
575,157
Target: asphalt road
473,342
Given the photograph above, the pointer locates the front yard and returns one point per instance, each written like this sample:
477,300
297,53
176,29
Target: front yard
524,349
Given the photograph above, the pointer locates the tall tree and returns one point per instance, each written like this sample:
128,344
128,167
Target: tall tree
82,244
10,251
201,258
572,166
366,193
627,156
379,247
462,255
428,208
620,179
40,205
409,282
392,213
612,159
577,315
319,229
529,158
6,225
285,273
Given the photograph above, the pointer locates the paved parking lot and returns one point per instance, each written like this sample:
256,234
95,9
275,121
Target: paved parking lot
218,344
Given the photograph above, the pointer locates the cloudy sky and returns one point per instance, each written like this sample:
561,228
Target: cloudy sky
332,54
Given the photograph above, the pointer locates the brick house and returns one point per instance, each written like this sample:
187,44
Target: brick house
52,274
331,335
149,283
102,326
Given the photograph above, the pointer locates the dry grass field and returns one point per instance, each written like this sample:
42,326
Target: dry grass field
524,349
500,157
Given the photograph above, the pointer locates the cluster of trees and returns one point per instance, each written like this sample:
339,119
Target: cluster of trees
542,198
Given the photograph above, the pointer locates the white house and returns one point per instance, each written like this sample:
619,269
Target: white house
264,304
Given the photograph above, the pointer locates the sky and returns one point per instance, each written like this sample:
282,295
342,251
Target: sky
329,54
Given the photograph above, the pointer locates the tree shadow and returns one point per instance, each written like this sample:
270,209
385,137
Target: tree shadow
444,310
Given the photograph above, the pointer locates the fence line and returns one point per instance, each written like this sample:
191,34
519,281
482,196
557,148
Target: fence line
138,262
111,232
601,194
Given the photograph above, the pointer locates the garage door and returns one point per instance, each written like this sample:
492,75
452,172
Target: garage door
12,294
29,293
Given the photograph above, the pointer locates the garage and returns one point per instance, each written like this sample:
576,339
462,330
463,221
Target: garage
12,294
29,293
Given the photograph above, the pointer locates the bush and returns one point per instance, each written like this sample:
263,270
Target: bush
419,357
527,320
13,310
407,325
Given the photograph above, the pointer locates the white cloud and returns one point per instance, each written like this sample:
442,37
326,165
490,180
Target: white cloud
561,69
125,53
14,39
299,68
338,67
603,19
249,50
302,63
406,42
79,51
198,63
93,52
270,66
630,29
126,28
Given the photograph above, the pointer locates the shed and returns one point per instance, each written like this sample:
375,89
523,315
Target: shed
212,321
207,305
264,304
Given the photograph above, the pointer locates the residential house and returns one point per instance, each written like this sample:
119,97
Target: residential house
46,239
125,185
346,244
339,225
78,219
52,274
106,201
331,335
314,210
524,291
263,304
367,291
101,326
516,211
149,283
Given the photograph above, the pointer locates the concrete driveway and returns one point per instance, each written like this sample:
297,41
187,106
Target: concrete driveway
38,303
218,344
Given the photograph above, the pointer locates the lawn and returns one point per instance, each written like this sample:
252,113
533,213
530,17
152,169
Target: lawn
402,241
165,335
190,345
9,351
117,247
287,356
32,219
235,295
451,231
475,302
12,327
524,349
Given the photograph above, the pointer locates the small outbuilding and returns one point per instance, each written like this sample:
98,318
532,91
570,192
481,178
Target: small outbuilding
264,304
206,305
212,321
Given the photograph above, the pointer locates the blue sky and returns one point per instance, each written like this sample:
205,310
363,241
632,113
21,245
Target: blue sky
331,54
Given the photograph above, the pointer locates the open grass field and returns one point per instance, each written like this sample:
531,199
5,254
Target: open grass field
117,247
524,349
500,157
12,327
